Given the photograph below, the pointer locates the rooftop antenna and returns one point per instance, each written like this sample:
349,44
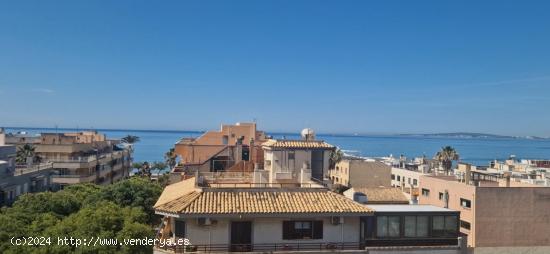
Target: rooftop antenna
56,129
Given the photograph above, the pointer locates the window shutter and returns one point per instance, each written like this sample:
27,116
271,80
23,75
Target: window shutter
288,228
318,229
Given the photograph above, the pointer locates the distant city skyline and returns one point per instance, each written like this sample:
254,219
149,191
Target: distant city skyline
337,67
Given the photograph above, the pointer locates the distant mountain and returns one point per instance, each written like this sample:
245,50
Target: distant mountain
470,135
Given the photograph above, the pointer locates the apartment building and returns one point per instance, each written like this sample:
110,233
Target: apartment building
494,212
16,180
352,172
215,217
80,157
232,148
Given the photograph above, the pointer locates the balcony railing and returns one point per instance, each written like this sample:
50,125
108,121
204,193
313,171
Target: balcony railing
24,169
267,247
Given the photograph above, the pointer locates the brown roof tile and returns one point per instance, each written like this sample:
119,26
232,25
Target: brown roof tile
273,143
261,201
383,195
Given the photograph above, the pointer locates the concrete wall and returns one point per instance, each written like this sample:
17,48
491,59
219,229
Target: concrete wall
360,173
515,216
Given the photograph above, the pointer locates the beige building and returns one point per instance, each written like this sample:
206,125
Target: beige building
232,148
361,173
16,180
495,212
81,157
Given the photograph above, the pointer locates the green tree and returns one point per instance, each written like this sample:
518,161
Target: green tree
130,139
336,156
135,192
170,158
446,156
26,151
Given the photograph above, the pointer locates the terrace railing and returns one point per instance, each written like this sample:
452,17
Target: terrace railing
265,247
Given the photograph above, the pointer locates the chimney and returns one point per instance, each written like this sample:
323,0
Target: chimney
468,174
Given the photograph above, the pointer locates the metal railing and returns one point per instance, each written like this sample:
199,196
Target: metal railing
265,247
24,169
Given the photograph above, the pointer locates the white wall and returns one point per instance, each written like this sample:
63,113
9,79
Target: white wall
270,230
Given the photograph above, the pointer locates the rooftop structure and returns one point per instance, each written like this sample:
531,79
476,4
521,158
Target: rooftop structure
232,148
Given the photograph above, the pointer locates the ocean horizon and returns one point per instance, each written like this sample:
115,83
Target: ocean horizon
475,150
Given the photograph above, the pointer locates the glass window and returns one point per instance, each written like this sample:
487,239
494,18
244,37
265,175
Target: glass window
422,226
444,225
393,226
291,155
388,226
302,229
465,203
382,226
410,226
441,196
425,192
465,224
416,226
415,182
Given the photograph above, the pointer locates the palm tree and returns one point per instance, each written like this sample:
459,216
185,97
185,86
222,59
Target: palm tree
24,152
446,156
130,139
335,157
170,158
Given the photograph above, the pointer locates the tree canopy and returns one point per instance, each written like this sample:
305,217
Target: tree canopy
119,211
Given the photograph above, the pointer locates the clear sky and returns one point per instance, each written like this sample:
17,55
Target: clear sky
335,66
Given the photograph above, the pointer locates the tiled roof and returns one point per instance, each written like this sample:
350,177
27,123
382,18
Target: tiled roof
261,201
297,144
383,195
176,190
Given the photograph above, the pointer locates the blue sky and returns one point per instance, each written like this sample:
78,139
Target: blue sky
336,66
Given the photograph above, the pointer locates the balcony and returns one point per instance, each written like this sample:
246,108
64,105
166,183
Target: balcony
73,179
283,175
267,247
24,169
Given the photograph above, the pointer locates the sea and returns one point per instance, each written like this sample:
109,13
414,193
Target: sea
476,150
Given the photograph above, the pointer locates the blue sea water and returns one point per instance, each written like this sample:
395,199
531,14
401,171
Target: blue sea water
479,151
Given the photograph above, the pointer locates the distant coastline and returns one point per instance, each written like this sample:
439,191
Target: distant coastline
457,135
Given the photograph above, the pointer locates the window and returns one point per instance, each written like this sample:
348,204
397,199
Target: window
398,178
267,164
392,176
291,155
465,224
444,226
415,182
441,196
416,226
225,139
466,203
302,230
425,192
180,228
387,226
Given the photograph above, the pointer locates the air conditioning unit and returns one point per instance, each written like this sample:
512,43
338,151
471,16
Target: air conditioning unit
206,221
336,220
